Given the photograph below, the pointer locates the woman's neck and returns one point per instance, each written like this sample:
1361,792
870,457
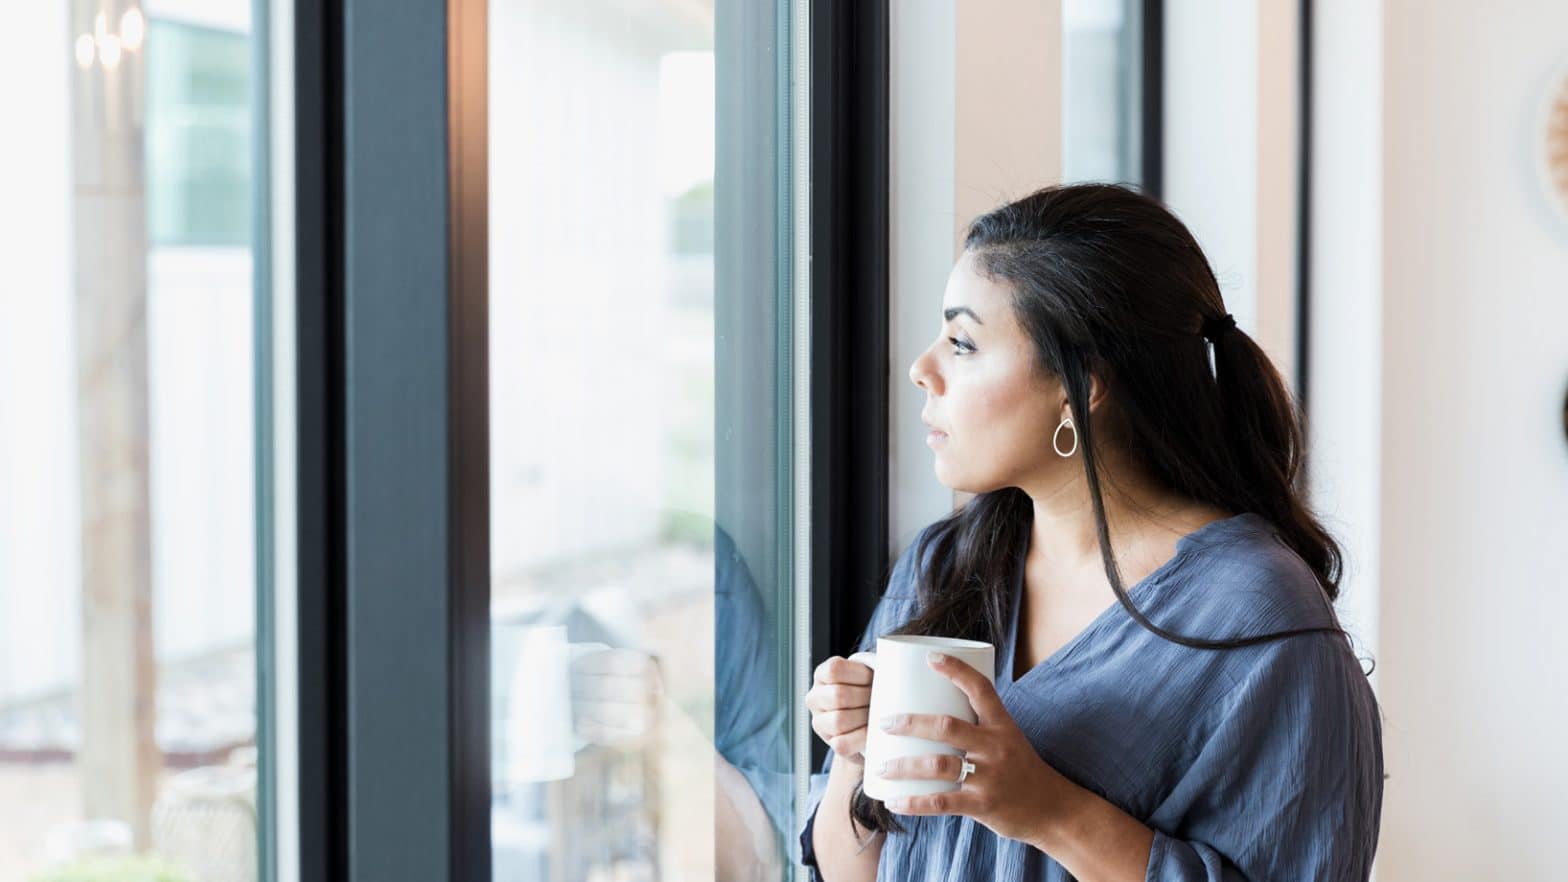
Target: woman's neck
1142,518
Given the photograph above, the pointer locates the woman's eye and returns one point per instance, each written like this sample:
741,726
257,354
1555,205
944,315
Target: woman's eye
961,347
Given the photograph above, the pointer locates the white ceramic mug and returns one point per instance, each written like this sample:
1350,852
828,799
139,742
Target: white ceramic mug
905,683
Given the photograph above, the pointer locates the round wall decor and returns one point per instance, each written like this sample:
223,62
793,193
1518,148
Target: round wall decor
1554,141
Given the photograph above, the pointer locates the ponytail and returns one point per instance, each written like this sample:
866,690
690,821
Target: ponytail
1256,405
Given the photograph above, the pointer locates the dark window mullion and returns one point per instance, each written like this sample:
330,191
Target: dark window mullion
849,325
1151,29
318,354
393,438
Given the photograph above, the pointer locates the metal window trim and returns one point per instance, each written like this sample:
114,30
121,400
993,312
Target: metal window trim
392,441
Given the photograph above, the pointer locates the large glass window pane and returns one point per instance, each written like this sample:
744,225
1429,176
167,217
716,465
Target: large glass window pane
639,319
1101,58
128,511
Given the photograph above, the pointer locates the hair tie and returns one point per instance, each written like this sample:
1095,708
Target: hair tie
1214,328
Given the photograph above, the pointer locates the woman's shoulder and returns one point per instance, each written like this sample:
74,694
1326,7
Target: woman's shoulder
1238,577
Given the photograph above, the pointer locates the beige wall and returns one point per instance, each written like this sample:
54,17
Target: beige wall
1461,431
1475,479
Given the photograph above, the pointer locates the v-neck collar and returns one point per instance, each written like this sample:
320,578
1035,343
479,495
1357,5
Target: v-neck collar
1184,546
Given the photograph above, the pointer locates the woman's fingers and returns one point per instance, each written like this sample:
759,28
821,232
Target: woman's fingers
961,734
839,705
831,698
844,671
933,767
835,723
632,688
849,745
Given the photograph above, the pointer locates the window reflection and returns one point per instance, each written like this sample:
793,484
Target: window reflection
637,727
127,557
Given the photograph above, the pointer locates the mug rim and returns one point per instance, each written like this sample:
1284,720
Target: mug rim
941,642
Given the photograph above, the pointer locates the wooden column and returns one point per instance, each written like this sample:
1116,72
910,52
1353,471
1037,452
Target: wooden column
119,758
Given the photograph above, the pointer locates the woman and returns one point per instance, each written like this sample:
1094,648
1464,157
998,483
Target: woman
1209,722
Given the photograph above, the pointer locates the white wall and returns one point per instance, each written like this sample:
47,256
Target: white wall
1345,428
1211,141
921,216
1462,340
201,422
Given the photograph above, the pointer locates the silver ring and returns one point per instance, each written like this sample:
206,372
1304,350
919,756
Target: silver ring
964,772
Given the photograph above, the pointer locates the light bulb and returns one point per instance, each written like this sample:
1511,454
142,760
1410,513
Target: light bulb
109,51
84,51
132,28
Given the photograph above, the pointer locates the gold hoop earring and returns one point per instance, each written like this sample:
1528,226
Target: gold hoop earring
1066,423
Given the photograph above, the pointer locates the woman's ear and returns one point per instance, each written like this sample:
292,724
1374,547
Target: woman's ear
1099,390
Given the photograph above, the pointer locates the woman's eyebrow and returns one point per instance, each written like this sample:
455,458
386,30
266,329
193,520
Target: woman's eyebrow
961,310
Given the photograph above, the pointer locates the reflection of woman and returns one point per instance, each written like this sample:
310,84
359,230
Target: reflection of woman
750,726
611,691
1174,698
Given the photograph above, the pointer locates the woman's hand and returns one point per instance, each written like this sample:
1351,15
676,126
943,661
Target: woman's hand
840,704
615,694
1012,790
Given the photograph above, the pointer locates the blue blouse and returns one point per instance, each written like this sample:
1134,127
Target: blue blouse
1261,763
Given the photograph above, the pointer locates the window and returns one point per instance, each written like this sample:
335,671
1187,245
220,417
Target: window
128,448
641,308
1102,92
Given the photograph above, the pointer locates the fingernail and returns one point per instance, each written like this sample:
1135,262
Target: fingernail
888,722
935,657
882,769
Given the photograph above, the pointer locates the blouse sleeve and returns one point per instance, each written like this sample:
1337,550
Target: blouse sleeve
896,607
1289,782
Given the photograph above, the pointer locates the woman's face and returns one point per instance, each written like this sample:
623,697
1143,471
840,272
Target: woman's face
991,412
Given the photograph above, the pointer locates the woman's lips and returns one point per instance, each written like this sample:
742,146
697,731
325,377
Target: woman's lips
934,436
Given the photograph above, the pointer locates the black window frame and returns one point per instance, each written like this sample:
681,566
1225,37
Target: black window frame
392,440
850,348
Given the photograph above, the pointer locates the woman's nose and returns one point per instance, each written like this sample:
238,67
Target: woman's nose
918,373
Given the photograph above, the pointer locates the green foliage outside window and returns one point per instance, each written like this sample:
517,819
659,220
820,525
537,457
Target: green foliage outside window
198,133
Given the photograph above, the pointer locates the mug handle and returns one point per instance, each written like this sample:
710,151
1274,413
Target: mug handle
869,659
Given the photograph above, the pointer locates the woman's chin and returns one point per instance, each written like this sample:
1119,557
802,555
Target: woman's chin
958,483
955,482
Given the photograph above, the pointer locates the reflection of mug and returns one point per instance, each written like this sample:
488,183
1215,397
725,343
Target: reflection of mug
538,726
905,683
536,738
